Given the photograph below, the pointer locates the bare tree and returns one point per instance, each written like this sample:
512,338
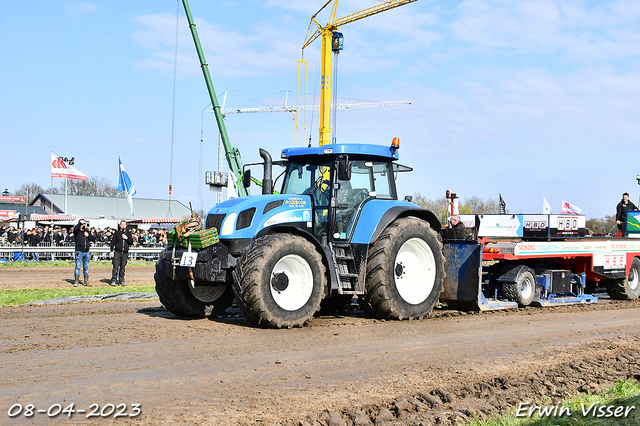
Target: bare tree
480,206
437,206
472,205
30,190
93,186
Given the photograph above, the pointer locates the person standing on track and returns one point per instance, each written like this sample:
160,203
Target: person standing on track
621,211
119,253
83,238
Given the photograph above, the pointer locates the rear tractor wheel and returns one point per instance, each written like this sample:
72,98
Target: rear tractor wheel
405,271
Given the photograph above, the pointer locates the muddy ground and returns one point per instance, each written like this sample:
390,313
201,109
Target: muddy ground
340,370
60,277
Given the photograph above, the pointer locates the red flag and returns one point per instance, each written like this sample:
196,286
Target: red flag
568,208
62,169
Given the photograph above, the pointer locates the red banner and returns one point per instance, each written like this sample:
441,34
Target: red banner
18,199
8,213
62,169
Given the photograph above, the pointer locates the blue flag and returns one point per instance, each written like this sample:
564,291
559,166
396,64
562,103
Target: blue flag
124,184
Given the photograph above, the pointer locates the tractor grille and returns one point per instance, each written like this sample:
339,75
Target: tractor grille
244,218
214,221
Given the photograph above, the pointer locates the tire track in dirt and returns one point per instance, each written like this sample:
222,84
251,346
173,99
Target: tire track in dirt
226,372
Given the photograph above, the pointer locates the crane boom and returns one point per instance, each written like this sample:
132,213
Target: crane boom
232,154
292,108
327,32
354,17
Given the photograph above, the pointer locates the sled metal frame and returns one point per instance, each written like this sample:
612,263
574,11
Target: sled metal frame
462,286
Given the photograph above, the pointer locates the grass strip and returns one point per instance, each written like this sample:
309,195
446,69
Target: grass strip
20,296
618,406
66,263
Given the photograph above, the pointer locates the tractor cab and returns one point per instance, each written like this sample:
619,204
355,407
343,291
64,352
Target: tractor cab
340,179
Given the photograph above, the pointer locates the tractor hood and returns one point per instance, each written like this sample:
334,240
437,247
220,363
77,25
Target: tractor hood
243,218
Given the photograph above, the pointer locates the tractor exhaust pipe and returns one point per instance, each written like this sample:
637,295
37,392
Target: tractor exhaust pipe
267,182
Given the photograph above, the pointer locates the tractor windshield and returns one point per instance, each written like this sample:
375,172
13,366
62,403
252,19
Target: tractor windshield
302,178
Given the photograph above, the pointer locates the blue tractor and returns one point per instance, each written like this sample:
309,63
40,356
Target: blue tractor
335,230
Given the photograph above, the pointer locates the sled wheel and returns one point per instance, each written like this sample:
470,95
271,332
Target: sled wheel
523,290
627,288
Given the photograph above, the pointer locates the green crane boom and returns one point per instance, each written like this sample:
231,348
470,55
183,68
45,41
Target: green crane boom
232,154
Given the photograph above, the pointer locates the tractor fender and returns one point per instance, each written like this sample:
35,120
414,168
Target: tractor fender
377,215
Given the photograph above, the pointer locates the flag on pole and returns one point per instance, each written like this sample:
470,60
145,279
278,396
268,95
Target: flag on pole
455,205
546,208
568,208
232,184
62,169
124,184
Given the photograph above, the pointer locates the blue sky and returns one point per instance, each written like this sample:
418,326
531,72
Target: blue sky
523,98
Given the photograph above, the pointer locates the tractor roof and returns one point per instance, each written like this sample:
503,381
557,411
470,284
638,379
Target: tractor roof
339,149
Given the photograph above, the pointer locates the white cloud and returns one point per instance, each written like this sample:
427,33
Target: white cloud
76,9
570,27
87,7
265,49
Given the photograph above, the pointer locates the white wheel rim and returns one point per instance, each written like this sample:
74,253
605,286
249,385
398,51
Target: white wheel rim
300,282
417,265
208,293
633,279
526,288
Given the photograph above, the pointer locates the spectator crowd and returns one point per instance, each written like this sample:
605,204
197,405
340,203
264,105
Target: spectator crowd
61,236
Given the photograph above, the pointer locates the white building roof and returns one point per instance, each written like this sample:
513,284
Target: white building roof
88,207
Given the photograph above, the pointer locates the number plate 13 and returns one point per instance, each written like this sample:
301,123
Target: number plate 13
188,259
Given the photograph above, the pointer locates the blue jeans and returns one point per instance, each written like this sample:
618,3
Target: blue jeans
82,259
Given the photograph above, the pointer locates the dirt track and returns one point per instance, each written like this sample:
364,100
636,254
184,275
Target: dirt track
60,277
340,370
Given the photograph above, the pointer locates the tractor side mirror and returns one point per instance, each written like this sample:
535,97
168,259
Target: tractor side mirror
344,169
246,178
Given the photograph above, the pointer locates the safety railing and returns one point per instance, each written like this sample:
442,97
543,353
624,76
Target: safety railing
98,252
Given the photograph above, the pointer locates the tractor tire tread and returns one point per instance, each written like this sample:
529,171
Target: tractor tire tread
250,297
377,299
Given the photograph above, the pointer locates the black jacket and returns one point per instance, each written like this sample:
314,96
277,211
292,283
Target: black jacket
120,243
36,239
621,210
82,243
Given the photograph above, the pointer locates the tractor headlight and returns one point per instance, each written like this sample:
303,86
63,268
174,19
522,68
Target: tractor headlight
227,226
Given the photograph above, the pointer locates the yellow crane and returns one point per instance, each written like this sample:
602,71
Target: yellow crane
328,40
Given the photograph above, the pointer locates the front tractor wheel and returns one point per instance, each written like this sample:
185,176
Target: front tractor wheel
190,302
280,281
405,271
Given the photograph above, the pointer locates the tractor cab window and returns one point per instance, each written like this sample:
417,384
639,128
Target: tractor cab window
309,179
313,180
369,179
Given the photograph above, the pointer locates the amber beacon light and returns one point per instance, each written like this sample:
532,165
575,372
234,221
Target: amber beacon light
395,143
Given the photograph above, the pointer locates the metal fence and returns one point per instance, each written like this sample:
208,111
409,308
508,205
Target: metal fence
99,251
